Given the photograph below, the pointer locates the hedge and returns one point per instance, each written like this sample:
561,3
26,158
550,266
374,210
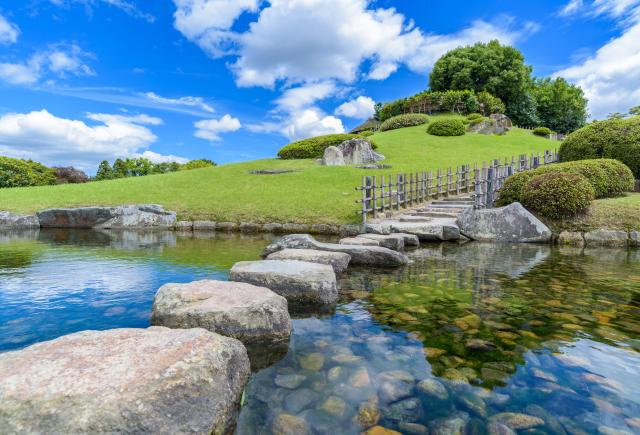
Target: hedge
473,116
401,121
542,131
446,127
557,195
22,173
313,148
612,139
607,177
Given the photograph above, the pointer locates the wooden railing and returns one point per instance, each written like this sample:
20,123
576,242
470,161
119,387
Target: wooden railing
382,194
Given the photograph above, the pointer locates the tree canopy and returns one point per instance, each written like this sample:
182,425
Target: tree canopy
560,105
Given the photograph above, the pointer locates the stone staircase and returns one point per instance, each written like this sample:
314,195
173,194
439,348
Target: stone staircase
450,207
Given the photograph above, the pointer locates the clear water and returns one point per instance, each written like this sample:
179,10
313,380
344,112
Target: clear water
462,336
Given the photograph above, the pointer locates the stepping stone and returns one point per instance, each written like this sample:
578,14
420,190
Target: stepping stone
338,260
154,380
410,218
391,241
436,214
300,282
359,241
436,230
254,315
512,223
409,239
365,255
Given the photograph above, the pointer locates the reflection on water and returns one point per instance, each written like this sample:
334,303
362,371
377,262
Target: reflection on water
466,337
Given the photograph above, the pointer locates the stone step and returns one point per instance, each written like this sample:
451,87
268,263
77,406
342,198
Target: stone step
436,214
443,209
413,218
458,198
453,203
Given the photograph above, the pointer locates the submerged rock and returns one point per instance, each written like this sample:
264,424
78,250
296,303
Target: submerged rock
433,388
365,255
518,421
512,223
300,282
126,216
338,260
154,380
286,424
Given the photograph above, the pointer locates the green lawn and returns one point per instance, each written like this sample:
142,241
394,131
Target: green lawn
621,213
313,194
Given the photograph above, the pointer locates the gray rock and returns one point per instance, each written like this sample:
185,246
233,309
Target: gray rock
272,228
252,314
15,221
407,410
410,218
226,226
433,388
413,428
300,282
250,227
517,421
571,238
436,230
496,124
290,381
409,239
184,226
358,152
154,380
604,237
295,228
366,255
204,226
454,425
634,239
338,260
333,157
325,229
300,399
496,428
512,223
128,216
349,230
359,241
502,120
391,241
377,229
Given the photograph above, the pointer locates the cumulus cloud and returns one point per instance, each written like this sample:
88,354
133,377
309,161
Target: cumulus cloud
211,129
160,158
311,122
182,101
59,60
610,77
359,108
8,31
304,96
55,141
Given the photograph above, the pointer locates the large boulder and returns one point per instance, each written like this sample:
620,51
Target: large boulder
496,124
351,152
15,221
338,260
502,121
127,216
154,380
391,241
512,223
363,255
436,230
300,282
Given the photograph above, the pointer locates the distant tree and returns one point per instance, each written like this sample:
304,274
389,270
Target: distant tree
197,164
70,175
634,111
560,106
492,67
104,171
120,169
377,108
616,115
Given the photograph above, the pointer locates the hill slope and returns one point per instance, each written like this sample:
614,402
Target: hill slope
312,194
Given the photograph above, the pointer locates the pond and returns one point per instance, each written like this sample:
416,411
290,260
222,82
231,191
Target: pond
467,336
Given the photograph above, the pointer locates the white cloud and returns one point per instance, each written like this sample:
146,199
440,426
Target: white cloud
311,122
304,96
208,22
359,108
43,137
128,7
210,129
160,158
182,101
59,60
8,31
571,8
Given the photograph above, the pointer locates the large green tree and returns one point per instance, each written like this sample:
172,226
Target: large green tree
560,105
492,67
104,171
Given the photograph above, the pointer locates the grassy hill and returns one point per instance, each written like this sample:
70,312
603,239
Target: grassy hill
312,194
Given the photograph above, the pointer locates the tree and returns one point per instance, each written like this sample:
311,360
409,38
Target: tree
492,67
615,115
634,111
120,169
560,106
104,171
377,108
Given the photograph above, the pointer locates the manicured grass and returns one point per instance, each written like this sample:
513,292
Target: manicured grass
621,213
312,194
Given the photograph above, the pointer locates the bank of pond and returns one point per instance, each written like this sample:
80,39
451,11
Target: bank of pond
466,338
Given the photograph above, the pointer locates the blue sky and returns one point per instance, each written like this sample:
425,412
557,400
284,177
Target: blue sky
231,80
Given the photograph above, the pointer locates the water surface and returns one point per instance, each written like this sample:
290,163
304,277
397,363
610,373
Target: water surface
452,342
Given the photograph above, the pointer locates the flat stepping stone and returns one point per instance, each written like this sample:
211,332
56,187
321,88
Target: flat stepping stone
412,218
409,239
365,255
358,241
154,380
436,214
391,241
436,230
300,282
338,260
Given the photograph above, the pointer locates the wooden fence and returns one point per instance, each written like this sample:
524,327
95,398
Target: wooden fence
381,194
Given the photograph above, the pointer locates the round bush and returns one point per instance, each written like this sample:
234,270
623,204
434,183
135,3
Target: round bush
558,195
314,147
620,179
542,131
446,127
401,121
511,190
473,116
612,139
21,173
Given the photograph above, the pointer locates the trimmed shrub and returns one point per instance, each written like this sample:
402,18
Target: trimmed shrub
511,190
558,195
314,147
21,173
473,116
366,133
542,131
401,121
446,127
619,176
612,139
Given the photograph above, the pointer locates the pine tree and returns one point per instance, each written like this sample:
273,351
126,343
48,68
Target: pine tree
104,171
